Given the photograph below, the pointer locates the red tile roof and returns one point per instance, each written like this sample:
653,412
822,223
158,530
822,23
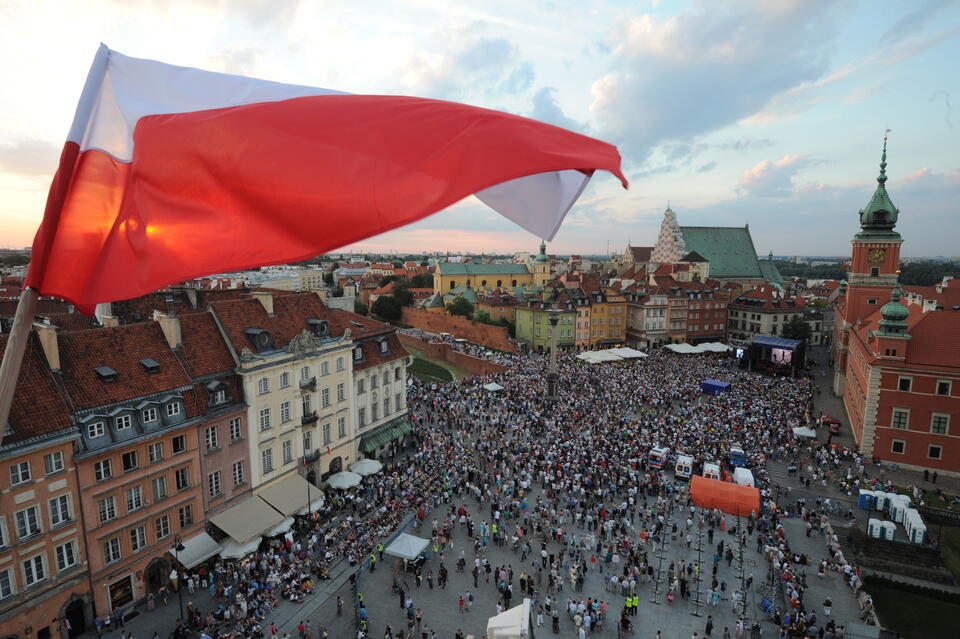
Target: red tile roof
121,348
641,253
935,339
72,321
367,336
39,405
204,352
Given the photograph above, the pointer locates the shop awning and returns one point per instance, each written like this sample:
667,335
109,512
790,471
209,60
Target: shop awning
280,528
195,550
248,519
289,495
383,435
232,550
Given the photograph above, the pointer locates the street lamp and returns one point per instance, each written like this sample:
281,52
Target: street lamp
553,379
174,574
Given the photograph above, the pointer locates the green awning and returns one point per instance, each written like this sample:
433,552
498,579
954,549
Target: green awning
383,435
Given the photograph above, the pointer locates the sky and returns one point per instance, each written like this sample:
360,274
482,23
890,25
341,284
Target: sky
762,112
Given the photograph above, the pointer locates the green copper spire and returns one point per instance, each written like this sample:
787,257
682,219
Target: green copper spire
894,315
879,218
543,252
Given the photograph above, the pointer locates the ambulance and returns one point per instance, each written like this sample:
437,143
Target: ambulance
684,466
658,456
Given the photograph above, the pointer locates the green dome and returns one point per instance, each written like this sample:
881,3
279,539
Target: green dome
894,314
894,311
542,257
880,216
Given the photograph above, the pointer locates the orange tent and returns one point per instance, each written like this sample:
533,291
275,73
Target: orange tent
728,497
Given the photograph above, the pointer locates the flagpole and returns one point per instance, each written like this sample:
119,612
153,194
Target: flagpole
13,354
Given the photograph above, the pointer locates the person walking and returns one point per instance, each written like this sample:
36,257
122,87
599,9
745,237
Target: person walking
708,629
340,604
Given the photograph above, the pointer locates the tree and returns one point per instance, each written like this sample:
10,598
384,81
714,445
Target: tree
328,278
460,306
796,328
422,280
401,291
14,259
483,317
360,308
388,307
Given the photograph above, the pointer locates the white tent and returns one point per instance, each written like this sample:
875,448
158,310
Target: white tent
803,431
598,357
511,624
407,546
627,353
682,348
713,347
366,467
493,387
344,480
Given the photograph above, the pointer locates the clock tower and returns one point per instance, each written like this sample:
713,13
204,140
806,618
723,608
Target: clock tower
875,258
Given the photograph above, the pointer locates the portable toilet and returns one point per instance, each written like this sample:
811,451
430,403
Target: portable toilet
918,533
897,505
711,470
867,500
882,500
874,529
889,530
684,466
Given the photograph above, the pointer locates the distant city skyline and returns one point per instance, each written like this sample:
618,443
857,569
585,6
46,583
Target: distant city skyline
759,112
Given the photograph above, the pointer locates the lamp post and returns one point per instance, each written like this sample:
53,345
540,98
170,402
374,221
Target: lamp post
174,575
553,379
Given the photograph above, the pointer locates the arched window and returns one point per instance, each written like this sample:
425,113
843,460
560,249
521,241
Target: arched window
453,285
514,285
483,283
499,283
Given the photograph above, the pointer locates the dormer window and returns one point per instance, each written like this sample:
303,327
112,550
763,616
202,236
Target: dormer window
95,430
150,365
173,409
319,327
260,338
106,374
123,422
358,354
384,346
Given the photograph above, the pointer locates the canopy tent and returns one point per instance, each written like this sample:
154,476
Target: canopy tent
686,349
775,342
247,520
407,546
714,386
597,357
196,549
744,477
730,498
344,480
280,528
233,550
493,387
366,467
714,347
803,431
510,624
627,353
289,496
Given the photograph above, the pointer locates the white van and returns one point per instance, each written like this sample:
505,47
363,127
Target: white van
743,476
711,470
684,466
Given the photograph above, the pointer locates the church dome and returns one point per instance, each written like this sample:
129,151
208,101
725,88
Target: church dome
893,310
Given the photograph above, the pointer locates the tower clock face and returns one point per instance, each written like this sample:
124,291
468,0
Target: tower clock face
876,256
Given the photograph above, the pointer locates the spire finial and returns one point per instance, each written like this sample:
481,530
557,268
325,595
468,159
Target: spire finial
883,160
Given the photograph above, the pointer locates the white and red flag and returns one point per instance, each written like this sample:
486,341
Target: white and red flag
171,173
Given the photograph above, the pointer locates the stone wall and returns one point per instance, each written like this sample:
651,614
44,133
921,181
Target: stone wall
495,337
445,352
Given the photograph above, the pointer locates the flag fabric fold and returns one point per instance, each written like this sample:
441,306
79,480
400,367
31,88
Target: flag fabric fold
171,173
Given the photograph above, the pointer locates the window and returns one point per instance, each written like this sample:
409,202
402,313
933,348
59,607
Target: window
138,538
266,460
342,427
374,412
19,473
161,526
186,516
386,377
325,397
95,430
307,442
898,446
33,571
66,556
122,422
148,415
935,451
182,478
939,423
265,418
59,510
360,388
304,373
235,432
900,419
173,409
362,417
284,412
134,498
53,463
111,550
398,402
28,522
326,434
386,406
155,452
213,484
263,386
874,272
339,363
341,395
904,384
358,352
396,373
211,436
107,509
102,469
6,585
159,485
179,444
219,396
284,380
237,473
943,388
130,461
324,368
305,404
286,451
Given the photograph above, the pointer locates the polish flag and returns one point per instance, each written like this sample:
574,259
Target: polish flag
171,173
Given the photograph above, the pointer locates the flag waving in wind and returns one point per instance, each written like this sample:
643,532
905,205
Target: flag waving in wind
171,173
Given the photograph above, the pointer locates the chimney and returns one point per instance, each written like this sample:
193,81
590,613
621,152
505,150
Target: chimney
170,325
47,333
266,299
109,320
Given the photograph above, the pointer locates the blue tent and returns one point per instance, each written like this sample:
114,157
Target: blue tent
714,386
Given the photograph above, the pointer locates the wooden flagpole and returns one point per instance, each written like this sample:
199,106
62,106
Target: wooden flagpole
13,353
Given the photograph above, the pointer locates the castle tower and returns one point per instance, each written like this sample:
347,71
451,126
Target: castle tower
670,247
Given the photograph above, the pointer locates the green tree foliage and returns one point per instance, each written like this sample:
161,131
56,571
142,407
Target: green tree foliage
796,328
422,280
360,308
927,273
819,272
328,278
482,317
461,307
388,307
14,259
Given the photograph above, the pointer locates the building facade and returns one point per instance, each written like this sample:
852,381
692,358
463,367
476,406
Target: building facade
533,323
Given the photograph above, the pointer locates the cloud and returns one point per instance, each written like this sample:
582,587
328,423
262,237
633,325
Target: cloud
862,93
772,179
678,78
546,109
29,157
239,60
706,168
913,21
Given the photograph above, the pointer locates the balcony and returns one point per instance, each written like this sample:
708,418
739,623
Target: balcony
308,384
309,418
310,457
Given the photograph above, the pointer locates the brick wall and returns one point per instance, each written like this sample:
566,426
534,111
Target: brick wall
490,336
446,353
